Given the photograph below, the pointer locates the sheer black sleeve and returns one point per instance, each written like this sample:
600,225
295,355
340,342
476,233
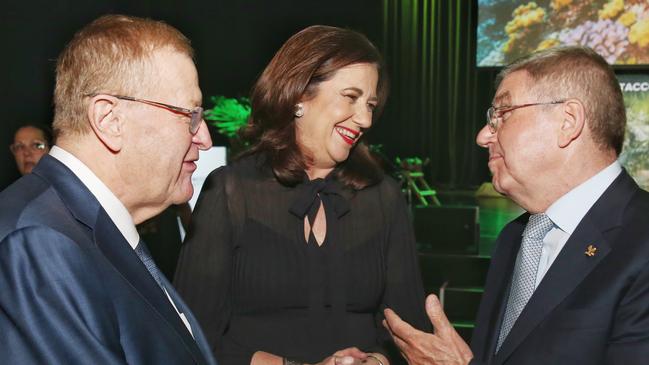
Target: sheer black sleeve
204,267
403,288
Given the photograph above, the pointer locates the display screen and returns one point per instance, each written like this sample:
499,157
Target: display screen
616,29
207,162
635,154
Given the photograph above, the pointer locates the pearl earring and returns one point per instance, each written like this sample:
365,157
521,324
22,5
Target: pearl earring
299,110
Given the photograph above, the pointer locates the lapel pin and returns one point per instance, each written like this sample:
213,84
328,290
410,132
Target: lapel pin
590,251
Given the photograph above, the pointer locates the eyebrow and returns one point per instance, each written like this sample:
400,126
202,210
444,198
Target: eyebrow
354,88
503,97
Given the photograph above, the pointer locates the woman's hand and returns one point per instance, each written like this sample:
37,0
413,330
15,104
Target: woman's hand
348,356
376,358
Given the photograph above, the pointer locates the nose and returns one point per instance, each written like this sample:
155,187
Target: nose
485,136
27,152
363,118
202,137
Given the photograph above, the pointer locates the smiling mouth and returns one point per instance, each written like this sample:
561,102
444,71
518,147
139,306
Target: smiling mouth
348,135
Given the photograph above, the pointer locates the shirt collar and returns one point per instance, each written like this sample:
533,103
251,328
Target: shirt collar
111,204
570,209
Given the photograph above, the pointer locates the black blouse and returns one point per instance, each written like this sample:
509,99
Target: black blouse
255,284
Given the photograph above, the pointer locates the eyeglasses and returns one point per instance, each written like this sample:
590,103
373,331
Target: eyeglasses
34,146
195,115
495,114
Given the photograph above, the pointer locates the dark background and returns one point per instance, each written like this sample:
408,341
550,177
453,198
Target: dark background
437,98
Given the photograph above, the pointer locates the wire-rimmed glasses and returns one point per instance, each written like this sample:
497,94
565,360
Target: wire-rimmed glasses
34,146
495,114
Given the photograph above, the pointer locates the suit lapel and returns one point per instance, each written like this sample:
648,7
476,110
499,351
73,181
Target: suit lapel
85,208
122,256
566,273
572,264
197,331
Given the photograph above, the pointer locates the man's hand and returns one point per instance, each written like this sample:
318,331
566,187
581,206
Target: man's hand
445,346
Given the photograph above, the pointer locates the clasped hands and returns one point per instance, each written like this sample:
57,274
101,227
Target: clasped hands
354,356
444,346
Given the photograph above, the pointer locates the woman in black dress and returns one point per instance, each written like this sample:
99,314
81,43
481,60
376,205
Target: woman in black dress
296,248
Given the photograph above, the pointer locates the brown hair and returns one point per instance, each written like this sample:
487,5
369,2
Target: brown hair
579,72
308,58
110,54
45,131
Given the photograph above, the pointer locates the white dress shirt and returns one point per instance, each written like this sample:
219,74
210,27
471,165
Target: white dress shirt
111,204
568,211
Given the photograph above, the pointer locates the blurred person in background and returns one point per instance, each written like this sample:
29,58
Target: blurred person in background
31,142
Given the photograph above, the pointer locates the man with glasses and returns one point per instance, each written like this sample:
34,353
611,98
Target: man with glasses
30,143
77,285
569,279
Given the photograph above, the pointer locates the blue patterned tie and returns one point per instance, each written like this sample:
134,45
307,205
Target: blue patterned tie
525,269
144,255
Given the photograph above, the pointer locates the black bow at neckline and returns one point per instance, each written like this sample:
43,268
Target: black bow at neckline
330,192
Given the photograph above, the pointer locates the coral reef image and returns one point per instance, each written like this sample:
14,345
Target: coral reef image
635,153
616,29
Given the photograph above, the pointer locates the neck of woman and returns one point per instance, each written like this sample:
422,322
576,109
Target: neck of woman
318,172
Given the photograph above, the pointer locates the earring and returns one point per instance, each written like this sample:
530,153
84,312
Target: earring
299,110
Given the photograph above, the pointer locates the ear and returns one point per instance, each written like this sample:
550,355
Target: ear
574,121
105,122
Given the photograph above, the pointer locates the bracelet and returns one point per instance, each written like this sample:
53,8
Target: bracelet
286,361
376,358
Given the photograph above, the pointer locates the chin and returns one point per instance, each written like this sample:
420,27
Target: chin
504,185
500,190
338,151
183,194
339,156
185,198
495,181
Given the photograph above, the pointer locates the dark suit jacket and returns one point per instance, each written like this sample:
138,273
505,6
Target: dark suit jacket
587,309
72,290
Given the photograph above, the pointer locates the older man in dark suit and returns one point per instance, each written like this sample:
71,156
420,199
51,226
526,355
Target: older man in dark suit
569,280
76,284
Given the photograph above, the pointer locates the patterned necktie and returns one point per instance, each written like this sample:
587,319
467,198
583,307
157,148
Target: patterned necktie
525,271
144,255
180,306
